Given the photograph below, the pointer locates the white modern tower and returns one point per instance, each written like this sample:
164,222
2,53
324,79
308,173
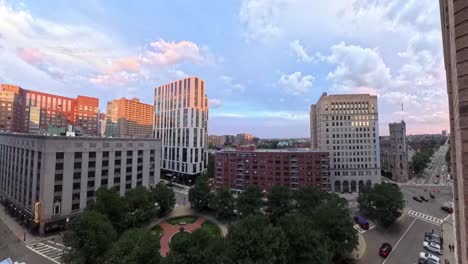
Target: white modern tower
347,126
181,122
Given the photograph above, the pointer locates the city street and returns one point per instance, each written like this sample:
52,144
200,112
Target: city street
437,166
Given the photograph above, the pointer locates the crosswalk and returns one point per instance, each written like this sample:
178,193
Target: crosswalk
425,217
48,249
362,231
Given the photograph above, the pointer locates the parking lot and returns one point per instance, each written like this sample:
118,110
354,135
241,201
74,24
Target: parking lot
406,238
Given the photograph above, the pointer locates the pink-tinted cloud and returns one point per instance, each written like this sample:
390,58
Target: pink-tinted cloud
169,53
129,64
115,79
30,55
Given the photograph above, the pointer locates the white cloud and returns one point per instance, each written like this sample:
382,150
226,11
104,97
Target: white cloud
285,115
70,52
357,69
295,83
260,18
300,51
215,103
231,85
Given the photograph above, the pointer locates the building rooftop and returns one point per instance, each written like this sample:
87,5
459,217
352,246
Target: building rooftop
75,137
288,150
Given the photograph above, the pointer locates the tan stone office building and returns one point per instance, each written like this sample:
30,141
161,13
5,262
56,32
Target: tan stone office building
347,126
44,180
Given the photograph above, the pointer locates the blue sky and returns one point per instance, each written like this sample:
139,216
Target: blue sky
264,61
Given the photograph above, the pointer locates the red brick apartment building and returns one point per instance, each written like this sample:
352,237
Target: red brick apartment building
28,111
294,168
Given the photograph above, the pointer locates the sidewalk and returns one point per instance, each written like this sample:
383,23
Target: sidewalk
360,250
16,228
449,239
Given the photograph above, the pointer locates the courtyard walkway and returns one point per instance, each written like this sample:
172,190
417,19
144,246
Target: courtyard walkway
169,230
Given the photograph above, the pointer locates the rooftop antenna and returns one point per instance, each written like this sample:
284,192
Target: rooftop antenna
402,111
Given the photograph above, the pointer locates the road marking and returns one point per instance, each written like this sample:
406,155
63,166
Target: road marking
362,231
399,241
47,251
425,217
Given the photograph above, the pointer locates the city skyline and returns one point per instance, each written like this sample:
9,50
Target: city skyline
127,50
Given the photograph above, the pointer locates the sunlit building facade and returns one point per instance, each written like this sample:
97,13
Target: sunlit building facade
347,126
36,112
129,118
181,122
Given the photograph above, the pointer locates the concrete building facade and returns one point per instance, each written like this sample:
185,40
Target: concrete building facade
394,153
454,18
129,118
49,179
244,139
181,122
347,127
238,168
217,141
35,112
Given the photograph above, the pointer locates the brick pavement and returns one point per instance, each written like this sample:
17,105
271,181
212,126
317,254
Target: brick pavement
169,230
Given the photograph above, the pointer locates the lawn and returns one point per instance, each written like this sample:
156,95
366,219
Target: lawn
211,228
157,230
188,219
177,237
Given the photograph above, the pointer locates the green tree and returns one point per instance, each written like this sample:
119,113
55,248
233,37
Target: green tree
250,201
211,166
140,205
200,194
335,222
88,238
109,203
279,202
198,247
254,240
384,202
307,243
224,203
307,199
135,246
164,196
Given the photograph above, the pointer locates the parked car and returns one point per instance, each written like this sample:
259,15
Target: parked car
447,209
432,195
424,198
417,199
431,246
426,261
427,256
432,234
385,249
432,239
362,222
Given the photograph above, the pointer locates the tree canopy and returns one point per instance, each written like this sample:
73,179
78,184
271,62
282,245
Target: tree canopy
250,201
279,202
255,240
108,202
88,238
384,202
135,246
164,196
200,194
224,203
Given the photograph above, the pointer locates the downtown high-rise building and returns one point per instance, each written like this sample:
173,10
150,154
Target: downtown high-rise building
347,127
181,122
454,18
28,111
129,119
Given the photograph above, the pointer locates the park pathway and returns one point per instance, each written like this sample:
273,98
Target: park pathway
169,230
